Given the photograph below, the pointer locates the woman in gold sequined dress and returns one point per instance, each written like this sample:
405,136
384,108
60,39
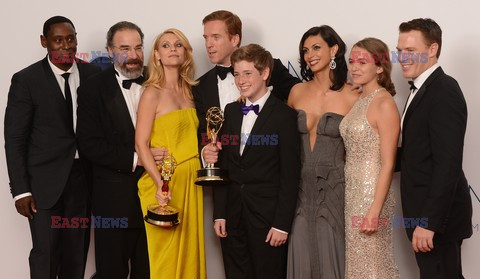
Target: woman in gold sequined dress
167,118
370,133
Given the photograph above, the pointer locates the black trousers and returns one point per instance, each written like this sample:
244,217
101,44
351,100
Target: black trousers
246,255
443,262
115,248
62,251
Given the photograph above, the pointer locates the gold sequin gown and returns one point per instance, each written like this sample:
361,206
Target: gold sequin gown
367,257
179,252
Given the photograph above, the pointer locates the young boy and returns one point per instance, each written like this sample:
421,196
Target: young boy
253,214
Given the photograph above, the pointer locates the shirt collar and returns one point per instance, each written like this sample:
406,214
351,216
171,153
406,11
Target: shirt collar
260,102
420,80
56,70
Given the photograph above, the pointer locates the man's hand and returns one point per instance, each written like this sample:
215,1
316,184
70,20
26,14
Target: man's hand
276,238
356,87
210,152
26,206
422,240
158,154
220,227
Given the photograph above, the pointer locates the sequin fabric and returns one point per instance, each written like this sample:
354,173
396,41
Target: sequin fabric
367,256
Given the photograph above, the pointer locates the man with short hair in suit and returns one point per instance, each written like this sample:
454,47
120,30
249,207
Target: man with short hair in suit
253,214
106,136
433,185
222,31
47,179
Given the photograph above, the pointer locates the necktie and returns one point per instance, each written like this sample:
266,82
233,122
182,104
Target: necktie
223,71
127,83
246,109
412,85
68,100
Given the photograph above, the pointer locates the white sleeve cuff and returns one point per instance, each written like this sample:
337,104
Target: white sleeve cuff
201,156
280,231
135,161
219,220
17,197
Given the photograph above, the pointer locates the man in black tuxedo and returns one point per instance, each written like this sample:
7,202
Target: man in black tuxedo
433,184
254,213
47,179
106,136
216,88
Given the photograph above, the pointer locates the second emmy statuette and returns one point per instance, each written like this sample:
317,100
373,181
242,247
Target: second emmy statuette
211,175
164,215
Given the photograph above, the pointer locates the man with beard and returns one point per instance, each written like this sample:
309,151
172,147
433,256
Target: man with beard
47,179
106,136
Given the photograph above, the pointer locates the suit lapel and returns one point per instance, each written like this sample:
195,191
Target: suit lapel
211,82
236,120
56,92
421,92
262,118
116,104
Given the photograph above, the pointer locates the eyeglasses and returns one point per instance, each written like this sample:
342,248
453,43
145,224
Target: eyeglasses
137,49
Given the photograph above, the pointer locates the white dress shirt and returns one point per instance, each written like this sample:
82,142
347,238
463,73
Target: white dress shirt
227,90
132,98
418,82
250,118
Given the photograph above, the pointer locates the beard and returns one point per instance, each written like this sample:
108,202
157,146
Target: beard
131,73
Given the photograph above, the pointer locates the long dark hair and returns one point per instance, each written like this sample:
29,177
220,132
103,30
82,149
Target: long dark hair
338,76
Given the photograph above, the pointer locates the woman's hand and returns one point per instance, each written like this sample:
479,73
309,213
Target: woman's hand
163,197
370,223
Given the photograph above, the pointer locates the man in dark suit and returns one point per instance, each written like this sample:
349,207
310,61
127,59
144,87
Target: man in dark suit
433,185
216,88
106,136
47,179
254,213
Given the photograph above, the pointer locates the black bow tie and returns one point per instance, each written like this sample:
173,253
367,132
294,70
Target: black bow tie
412,85
127,83
223,71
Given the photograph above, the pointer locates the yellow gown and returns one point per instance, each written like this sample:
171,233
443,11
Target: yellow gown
177,252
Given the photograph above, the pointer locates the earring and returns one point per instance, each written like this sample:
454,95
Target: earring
332,64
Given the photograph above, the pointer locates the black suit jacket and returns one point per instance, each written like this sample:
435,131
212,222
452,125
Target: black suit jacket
106,136
265,179
433,184
39,143
206,94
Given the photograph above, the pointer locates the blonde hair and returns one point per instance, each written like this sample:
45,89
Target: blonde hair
156,73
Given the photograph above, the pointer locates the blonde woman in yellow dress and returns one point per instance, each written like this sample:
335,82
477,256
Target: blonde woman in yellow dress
167,118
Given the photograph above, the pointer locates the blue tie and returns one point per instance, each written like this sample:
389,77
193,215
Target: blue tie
246,109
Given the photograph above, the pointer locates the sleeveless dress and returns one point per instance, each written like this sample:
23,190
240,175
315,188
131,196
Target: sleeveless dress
316,247
366,256
177,252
